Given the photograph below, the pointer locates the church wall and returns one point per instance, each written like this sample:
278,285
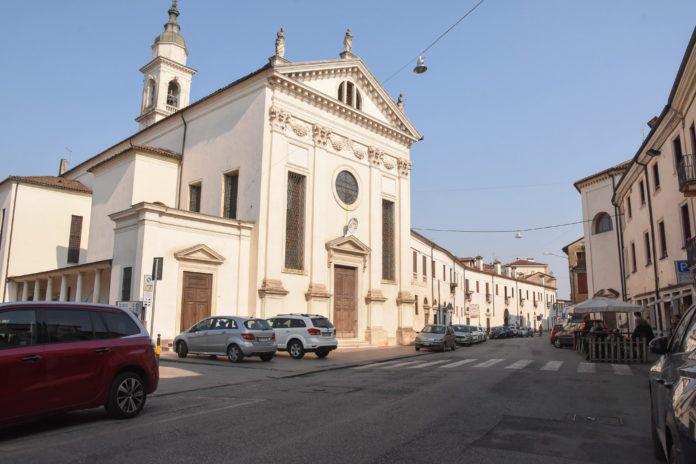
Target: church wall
155,180
38,246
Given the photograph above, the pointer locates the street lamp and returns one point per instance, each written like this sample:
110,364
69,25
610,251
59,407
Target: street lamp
554,254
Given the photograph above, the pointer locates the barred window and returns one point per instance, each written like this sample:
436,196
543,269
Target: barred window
126,284
387,240
294,222
75,238
195,198
230,205
347,187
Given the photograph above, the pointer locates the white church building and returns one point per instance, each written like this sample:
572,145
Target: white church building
288,190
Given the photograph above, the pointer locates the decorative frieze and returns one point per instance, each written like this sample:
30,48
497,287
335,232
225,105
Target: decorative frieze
337,142
357,150
279,118
374,154
321,135
298,127
388,162
404,167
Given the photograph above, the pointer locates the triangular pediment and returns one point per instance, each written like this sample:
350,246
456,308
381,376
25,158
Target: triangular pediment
324,77
348,244
201,254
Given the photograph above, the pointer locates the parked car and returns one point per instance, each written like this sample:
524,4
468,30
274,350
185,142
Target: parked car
463,335
301,333
514,331
497,332
526,332
556,328
477,334
673,393
58,356
436,336
231,336
566,335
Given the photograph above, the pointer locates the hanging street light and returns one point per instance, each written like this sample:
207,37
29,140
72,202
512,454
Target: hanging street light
420,67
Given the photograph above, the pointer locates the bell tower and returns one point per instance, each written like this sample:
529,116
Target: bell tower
166,78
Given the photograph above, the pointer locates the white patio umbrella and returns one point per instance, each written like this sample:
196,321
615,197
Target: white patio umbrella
601,304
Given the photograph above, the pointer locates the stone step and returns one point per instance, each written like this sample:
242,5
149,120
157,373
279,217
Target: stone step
344,343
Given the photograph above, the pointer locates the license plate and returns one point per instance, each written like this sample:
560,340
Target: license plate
327,334
263,339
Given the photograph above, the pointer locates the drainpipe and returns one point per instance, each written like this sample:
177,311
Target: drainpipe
652,232
432,280
619,242
181,163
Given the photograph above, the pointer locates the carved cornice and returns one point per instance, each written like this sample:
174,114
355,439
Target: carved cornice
321,135
272,287
317,291
375,296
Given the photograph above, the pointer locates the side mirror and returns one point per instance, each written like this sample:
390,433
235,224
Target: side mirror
658,345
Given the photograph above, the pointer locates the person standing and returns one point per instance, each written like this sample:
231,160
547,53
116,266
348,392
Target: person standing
643,328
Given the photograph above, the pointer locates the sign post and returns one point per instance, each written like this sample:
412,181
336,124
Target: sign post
156,275
684,275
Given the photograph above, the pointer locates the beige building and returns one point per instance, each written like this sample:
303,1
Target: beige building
654,198
577,270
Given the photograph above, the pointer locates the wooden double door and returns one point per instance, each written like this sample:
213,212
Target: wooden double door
345,301
196,298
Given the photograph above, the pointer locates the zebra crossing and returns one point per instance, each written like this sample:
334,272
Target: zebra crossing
513,365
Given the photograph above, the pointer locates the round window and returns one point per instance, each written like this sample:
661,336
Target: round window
346,187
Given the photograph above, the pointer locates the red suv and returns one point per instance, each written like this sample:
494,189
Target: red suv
556,328
57,357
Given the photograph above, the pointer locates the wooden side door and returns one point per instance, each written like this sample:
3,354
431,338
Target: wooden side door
196,297
344,301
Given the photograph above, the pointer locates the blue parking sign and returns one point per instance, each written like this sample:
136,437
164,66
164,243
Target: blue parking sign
684,275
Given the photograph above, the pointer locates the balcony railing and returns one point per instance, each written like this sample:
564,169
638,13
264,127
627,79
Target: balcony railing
686,172
691,253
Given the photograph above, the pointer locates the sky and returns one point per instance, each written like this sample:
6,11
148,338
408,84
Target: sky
520,100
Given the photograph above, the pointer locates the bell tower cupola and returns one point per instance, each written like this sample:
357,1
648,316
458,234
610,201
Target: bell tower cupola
166,78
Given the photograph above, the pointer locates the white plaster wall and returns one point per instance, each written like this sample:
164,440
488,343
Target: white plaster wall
154,180
41,230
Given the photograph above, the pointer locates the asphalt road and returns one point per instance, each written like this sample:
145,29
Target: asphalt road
516,400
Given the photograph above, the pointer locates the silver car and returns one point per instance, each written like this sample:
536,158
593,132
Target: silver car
233,336
436,336
463,335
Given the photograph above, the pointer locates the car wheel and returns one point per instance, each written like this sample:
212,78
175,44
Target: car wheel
181,349
322,353
295,349
127,396
267,357
557,342
234,354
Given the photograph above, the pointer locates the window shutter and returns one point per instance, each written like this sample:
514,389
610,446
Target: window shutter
75,238
294,222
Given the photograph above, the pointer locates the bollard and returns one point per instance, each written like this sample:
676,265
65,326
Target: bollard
158,347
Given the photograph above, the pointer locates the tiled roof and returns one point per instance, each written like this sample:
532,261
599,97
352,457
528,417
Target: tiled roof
144,148
618,168
53,182
525,262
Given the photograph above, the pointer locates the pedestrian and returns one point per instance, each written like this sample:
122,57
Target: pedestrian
541,328
643,329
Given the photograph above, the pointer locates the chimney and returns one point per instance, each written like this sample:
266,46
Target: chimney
530,259
652,122
497,266
508,271
63,166
479,263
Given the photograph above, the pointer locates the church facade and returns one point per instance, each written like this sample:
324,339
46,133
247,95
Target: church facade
285,191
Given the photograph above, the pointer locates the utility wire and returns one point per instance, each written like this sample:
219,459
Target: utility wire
506,231
434,42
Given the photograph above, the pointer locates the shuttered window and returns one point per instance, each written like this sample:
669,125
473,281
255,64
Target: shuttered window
75,238
425,266
230,204
195,198
126,284
294,222
415,263
387,240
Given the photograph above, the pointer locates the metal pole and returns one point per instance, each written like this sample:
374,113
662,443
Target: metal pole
154,294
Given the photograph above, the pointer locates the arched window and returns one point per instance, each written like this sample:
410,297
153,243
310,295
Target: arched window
601,223
173,94
150,93
349,94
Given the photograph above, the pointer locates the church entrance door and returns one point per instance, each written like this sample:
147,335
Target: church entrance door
195,298
345,306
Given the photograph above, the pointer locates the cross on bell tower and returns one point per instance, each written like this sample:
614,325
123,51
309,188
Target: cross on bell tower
166,78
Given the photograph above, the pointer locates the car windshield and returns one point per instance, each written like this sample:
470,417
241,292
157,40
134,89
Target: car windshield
460,328
257,324
322,322
436,329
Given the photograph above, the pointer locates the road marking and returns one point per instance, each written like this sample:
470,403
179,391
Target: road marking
587,368
621,369
420,366
521,364
401,364
489,363
552,366
367,366
458,363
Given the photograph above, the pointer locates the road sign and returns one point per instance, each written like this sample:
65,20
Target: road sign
473,311
147,298
148,283
157,268
684,275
